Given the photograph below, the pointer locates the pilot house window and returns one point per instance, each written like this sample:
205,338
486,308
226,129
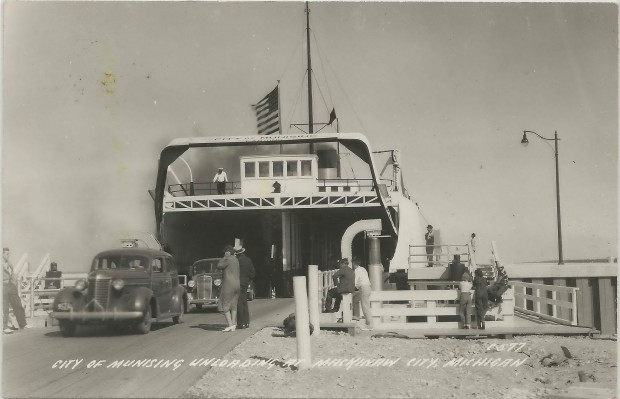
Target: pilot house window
278,168
250,169
306,168
291,168
263,169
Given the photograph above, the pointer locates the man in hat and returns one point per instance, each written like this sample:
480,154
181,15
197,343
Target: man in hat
220,178
10,296
430,242
246,273
344,281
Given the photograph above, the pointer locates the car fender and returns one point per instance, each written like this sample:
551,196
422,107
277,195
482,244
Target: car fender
72,295
139,298
178,299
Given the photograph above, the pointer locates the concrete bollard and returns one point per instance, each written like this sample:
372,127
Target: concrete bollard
302,324
313,297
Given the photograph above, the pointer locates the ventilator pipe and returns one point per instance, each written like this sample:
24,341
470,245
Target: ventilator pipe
346,244
375,268
302,328
313,297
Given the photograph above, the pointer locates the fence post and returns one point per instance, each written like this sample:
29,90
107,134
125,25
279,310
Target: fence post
574,310
302,328
313,297
537,301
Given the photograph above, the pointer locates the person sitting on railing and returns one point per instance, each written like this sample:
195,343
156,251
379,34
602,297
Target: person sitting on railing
344,281
500,286
51,275
456,268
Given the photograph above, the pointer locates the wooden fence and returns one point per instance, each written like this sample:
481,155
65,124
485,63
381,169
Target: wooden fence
429,309
546,302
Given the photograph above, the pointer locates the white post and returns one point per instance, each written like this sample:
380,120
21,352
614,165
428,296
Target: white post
304,354
537,300
313,297
574,309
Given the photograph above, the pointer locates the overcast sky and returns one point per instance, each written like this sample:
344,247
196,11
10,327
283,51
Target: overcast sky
92,92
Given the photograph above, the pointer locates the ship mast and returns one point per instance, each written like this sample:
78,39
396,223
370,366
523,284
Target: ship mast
310,121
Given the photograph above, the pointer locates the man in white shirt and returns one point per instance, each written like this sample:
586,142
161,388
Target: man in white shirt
220,178
362,293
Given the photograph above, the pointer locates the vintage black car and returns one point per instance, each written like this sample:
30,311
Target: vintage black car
126,286
204,284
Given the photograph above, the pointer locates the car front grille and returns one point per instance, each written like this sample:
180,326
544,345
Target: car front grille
99,290
204,287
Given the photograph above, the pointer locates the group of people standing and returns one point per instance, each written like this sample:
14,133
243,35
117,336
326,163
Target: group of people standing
238,270
473,291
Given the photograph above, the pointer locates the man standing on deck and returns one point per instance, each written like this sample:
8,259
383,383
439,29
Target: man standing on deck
220,178
345,285
430,242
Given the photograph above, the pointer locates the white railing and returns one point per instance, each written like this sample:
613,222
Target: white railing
432,309
325,284
540,301
37,297
442,255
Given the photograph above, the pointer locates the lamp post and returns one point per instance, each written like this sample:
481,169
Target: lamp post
557,185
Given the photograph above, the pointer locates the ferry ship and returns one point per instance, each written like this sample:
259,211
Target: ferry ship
290,207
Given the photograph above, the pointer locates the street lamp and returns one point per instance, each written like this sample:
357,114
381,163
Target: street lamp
525,142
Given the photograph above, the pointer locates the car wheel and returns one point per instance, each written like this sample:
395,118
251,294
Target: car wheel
67,328
177,319
144,326
198,307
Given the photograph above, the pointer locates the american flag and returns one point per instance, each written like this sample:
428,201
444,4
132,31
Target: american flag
268,114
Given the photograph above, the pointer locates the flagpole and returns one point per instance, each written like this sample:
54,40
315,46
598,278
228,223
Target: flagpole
310,121
279,115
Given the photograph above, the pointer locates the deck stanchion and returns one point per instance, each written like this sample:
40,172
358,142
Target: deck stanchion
302,327
313,297
375,268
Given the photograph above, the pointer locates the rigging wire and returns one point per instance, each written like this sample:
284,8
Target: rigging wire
320,54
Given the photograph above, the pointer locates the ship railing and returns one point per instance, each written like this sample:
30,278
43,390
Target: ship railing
543,301
234,187
205,188
442,255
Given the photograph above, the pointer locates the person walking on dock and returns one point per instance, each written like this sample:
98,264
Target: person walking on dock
10,296
220,179
229,291
246,273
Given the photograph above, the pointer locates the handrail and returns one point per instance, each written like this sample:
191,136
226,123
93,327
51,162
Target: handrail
440,258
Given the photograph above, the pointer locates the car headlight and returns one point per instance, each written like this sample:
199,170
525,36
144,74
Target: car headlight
217,282
118,284
81,284
191,283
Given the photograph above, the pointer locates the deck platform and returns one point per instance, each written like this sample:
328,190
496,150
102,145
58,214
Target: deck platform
522,326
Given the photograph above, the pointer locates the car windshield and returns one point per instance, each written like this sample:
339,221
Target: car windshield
118,261
206,266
